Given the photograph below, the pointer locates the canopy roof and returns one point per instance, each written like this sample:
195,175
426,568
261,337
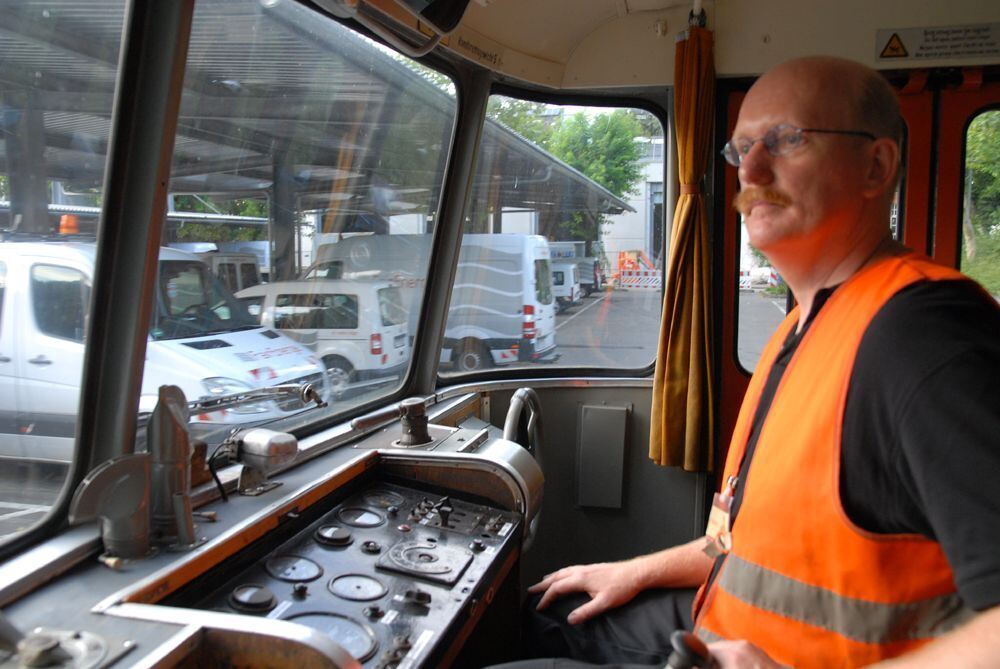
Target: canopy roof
302,94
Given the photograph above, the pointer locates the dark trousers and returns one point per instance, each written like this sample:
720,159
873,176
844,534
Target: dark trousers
628,637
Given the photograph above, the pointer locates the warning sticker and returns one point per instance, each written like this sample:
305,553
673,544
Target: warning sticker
938,43
894,48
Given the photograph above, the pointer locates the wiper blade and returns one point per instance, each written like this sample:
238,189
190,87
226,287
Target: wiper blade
306,392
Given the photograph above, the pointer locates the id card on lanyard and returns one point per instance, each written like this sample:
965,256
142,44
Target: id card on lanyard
720,521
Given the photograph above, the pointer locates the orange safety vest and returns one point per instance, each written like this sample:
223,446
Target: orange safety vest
801,580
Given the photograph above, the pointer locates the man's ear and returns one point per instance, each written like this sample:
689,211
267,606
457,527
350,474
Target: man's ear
882,166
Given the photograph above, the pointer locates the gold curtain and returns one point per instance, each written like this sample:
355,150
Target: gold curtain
682,421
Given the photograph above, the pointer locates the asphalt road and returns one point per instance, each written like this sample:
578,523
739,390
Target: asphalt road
615,328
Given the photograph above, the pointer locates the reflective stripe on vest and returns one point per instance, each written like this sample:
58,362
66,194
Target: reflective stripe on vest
856,619
802,582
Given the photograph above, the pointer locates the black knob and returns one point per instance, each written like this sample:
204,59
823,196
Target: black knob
477,545
252,598
371,547
417,596
332,535
300,590
689,652
374,612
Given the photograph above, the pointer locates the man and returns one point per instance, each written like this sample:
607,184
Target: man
868,528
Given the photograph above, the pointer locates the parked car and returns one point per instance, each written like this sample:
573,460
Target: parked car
357,328
201,339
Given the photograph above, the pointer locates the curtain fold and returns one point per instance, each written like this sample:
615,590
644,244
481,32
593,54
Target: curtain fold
682,420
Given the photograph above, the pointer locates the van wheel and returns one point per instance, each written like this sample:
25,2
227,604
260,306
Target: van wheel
340,374
472,355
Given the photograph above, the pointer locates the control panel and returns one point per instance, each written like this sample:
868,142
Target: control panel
397,576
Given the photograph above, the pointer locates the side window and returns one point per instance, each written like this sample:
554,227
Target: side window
254,306
227,274
3,290
761,303
313,311
248,275
390,306
980,256
566,184
59,298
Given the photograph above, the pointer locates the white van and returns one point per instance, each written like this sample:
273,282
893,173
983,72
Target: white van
357,328
201,339
502,309
565,284
236,269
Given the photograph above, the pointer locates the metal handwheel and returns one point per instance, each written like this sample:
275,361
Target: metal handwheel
523,426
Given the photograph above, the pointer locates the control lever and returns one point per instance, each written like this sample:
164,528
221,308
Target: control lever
689,652
412,414
444,509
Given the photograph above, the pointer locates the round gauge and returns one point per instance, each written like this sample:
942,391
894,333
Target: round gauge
356,516
332,535
252,598
357,587
383,499
293,568
356,638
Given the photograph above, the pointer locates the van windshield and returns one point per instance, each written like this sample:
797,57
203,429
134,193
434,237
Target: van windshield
191,302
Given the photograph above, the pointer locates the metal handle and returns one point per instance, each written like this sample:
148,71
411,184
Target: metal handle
40,360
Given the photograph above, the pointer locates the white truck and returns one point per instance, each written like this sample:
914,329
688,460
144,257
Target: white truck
590,271
502,309
565,284
200,339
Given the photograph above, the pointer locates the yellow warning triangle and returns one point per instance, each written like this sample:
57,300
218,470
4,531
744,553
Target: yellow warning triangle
894,48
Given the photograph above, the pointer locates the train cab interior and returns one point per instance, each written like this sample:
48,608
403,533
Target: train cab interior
300,508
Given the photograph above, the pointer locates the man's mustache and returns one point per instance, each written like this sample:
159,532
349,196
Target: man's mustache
746,198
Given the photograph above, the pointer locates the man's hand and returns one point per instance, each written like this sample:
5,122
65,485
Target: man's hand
740,655
609,584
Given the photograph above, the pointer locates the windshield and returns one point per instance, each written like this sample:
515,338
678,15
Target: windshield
192,303
298,141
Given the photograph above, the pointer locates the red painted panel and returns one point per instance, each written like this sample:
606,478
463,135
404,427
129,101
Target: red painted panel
917,110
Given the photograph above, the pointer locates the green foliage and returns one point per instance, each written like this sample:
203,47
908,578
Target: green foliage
215,232
603,148
651,126
531,120
981,257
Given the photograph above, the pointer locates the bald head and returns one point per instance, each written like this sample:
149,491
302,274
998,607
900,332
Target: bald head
836,90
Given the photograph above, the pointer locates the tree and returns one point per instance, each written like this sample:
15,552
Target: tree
603,148
981,221
531,120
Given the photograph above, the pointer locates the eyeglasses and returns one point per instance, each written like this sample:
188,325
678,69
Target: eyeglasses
779,141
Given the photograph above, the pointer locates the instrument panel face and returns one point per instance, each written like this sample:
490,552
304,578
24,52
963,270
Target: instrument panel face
391,573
